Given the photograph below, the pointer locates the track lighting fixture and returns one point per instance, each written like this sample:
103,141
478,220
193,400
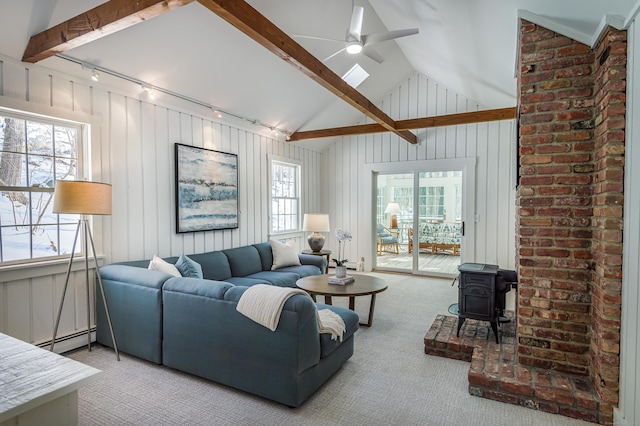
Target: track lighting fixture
94,74
147,92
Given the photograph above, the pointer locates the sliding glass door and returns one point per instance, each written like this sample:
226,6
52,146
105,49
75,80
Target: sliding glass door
419,222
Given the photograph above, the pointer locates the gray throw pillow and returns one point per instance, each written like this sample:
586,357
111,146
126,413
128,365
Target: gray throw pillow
188,267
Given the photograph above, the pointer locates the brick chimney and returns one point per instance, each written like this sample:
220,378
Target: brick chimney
571,102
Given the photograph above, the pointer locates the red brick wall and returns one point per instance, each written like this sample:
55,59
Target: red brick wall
569,229
556,106
610,97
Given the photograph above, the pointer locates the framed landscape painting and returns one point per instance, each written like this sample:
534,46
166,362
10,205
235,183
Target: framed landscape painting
206,189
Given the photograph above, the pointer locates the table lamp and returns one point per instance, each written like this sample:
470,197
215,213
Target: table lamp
316,223
393,209
84,198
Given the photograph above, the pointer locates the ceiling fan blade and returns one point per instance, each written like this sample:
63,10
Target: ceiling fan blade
355,28
389,35
316,38
373,54
333,54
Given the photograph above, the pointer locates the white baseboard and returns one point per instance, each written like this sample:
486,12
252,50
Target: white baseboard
69,343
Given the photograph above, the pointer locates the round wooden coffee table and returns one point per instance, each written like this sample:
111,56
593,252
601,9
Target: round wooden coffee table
364,285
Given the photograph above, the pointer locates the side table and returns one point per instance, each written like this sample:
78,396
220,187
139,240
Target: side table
325,253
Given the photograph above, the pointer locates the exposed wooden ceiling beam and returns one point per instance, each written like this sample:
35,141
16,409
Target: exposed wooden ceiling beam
108,18
248,20
410,124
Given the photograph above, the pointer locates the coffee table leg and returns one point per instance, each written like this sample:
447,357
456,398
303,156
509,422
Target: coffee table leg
372,307
327,300
352,303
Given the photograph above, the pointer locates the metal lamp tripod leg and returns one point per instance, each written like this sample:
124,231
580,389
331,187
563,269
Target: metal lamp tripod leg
86,237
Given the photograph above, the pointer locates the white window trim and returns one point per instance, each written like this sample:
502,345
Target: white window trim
90,131
291,233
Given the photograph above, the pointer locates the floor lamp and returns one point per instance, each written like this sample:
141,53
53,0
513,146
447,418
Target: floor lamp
84,198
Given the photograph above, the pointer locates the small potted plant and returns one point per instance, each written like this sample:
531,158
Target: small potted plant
342,236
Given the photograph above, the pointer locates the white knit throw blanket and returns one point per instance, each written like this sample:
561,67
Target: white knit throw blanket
263,304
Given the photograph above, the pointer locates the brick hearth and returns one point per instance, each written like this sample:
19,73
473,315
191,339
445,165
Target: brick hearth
495,374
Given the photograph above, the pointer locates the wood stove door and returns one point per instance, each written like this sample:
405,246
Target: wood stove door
476,296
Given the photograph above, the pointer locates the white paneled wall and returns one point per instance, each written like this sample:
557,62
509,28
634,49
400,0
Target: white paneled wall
132,147
351,162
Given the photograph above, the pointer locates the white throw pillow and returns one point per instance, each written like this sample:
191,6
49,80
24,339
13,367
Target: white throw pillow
157,264
284,254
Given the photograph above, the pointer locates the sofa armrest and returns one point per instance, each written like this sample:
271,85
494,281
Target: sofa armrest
134,275
134,297
310,259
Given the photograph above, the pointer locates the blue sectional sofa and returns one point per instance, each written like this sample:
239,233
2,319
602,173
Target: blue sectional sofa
191,324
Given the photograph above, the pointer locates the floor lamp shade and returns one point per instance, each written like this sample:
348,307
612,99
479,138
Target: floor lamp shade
82,197
316,223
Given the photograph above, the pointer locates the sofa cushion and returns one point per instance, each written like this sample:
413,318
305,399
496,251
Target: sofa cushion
243,261
158,264
215,265
266,255
351,322
302,270
246,281
189,267
277,278
284,254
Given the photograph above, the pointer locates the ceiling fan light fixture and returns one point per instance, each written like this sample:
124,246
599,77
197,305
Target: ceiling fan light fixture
354,47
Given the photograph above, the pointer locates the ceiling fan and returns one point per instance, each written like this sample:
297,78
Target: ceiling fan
355,42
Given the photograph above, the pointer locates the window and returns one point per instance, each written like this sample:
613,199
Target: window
431,203
285,197
34,153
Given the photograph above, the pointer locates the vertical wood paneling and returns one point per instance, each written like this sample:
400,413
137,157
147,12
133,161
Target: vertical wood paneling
243,173
42,311
61,93
164,177
149,194
492,207
18,309
482,152
133,149
135,174
120,167
39,87
14,80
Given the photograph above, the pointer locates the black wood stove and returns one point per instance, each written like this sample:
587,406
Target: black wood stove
481,293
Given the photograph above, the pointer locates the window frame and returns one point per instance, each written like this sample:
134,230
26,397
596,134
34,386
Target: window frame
21,111
298,165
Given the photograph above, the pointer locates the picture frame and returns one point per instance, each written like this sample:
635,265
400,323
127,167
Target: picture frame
206,189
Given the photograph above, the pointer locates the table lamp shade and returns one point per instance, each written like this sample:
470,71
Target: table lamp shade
316,223
393,208
82,197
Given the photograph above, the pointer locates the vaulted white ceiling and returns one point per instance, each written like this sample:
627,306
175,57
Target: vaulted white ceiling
467,45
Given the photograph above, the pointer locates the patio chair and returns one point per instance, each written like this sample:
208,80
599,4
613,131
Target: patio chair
387,240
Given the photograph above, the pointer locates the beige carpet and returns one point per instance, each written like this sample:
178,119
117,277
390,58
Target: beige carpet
388,381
